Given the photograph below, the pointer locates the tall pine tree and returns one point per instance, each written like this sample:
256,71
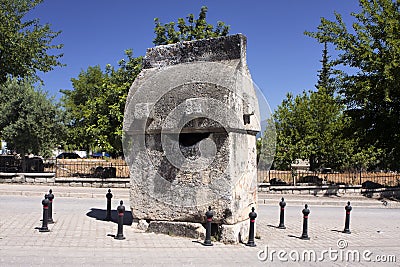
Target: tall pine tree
371,48
310,125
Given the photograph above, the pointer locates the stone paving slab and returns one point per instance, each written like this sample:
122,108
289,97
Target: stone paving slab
83,239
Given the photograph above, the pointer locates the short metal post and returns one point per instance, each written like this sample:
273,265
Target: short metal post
45,203
305,211
209,216
348,208
282,204
252,216
121,213
50,197
109,197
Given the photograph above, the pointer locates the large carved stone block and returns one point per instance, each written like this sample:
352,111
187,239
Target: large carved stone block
189,133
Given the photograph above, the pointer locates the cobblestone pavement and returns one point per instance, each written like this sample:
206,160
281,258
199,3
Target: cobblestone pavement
79,237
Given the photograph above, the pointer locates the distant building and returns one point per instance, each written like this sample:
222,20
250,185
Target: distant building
81,153
301,164
4,149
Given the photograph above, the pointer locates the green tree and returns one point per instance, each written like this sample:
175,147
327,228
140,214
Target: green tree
24,45
80,109
310,126
371,90
192,29
290,118
95,107
29,121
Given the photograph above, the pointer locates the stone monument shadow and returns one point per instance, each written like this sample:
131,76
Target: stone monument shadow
100,214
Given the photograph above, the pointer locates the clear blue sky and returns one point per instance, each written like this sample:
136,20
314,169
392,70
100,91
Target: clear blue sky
280,57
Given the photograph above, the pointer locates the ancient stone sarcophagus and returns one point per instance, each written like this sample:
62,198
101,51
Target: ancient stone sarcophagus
189,133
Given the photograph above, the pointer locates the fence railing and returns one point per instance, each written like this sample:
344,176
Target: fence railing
99,168
299,177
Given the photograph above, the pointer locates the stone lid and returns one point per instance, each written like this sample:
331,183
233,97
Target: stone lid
212,49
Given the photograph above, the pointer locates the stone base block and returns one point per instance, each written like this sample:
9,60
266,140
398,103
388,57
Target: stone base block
236,233
228,234
30,180
185,229
140,225
18,179
40,180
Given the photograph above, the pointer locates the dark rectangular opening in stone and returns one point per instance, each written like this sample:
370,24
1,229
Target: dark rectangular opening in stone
190,139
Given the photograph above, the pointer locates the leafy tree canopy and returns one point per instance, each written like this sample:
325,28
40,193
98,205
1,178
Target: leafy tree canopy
95,107
309,126
29,121
24,45
314,126
191,29
372,93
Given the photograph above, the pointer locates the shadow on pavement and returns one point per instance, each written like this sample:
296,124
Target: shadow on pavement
100,214
298,237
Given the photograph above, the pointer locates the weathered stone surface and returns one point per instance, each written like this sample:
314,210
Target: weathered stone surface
143,225
75,184
214,49
237,233
40,180
18,179
189,134
51,180
29,180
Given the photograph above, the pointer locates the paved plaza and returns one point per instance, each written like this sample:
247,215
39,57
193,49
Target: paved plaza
79,236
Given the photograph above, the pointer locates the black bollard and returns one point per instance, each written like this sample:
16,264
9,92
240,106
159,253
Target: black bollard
50,197
209,216
45,203
252,216
121,213
348,208
305,211
109,197
282,204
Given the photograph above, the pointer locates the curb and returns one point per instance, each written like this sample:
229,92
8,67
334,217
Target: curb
328,203
263,198
261,201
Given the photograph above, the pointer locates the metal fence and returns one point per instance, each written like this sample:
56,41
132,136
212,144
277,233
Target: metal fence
99,168
299,177
14,163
